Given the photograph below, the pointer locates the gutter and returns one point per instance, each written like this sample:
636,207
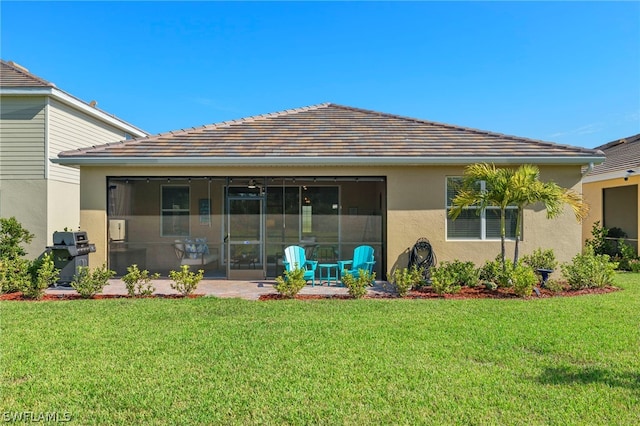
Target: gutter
321,161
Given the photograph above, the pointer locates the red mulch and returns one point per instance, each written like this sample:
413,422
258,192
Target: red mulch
52,297
479,292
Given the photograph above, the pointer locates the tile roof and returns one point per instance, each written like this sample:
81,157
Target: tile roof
621,155
330,131
14,75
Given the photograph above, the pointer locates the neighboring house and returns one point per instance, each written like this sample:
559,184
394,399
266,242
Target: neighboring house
611,189
37,121
327,177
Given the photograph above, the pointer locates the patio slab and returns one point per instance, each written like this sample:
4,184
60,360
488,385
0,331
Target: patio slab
250,290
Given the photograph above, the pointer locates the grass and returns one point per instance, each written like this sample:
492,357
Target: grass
212,361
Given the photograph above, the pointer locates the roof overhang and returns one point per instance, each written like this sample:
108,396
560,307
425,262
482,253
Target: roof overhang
318,161
67,99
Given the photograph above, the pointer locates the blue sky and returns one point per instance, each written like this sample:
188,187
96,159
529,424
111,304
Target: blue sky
567,72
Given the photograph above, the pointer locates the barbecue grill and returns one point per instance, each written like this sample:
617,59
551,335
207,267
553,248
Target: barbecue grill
70,250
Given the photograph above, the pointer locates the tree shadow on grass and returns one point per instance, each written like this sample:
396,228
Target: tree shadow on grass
586,375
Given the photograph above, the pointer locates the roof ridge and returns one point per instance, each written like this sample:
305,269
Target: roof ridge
25,72
462,128
621,141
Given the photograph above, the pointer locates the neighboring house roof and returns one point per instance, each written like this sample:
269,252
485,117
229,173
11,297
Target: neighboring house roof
329,134
622,155
18,81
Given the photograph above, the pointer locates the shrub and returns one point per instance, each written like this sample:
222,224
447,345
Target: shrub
554,285
12,235
138,282
292,282
634,265
443,279
88,283
14,274
185,281
541,259
357,287
589,270
43,274
625,254
406,279
523,279
466,273
600,244
491,271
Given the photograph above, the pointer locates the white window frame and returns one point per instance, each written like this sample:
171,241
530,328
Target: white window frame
482,216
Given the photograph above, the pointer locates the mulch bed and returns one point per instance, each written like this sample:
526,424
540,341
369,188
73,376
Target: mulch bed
54,297
479,292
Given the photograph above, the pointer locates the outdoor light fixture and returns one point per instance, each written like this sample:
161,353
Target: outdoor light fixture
629,173
252,184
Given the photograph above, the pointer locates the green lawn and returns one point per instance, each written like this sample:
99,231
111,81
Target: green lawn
210,361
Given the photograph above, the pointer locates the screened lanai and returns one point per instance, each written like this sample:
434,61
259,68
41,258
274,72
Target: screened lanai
238,227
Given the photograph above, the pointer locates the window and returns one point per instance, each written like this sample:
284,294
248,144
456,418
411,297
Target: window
473,224
174,211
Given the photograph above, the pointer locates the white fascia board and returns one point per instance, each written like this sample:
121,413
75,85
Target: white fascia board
75,103
321,161
604,176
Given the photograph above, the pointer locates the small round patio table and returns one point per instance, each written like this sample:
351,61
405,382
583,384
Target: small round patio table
330,272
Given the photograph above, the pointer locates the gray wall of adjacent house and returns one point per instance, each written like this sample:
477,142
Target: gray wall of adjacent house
23,132
71,129
43,196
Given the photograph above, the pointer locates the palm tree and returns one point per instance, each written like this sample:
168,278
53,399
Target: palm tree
527,189
508,187
497,192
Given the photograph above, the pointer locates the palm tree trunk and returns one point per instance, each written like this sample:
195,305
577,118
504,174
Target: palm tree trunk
518,225
503,234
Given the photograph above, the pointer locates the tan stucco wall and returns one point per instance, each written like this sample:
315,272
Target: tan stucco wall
415,208
593,191
26,200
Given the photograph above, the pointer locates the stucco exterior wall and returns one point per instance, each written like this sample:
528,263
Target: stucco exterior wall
415,208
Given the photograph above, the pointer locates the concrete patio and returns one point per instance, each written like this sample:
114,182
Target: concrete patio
250,290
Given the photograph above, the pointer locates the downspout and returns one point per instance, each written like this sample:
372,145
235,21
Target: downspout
589,169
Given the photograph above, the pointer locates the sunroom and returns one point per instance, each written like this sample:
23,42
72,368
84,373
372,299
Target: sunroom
238,227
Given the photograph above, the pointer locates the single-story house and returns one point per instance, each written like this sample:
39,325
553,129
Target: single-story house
611,189
37,121
327,177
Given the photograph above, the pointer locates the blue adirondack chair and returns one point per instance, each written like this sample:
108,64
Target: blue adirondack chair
294,258
362,259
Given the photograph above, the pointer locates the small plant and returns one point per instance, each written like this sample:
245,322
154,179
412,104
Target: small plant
185,281
31,278
292,282
449,277
12,236
491,271
88,283
625,254
14,274
357,287
589,270
554,285
523,279
634,265
541,259
444,280
138,282
600,244
406,279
